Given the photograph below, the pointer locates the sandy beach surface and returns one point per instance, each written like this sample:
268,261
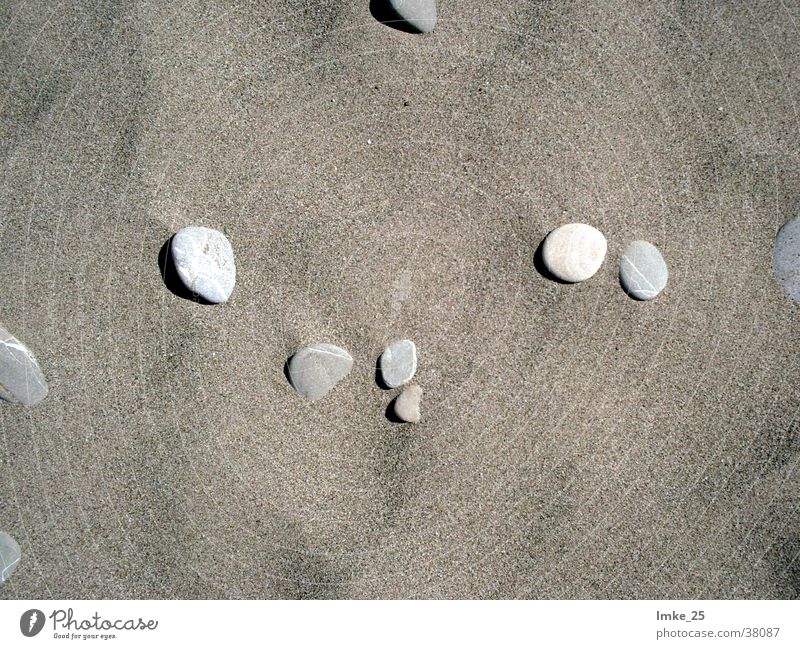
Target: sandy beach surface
378,185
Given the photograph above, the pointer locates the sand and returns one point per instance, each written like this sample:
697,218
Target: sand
378,185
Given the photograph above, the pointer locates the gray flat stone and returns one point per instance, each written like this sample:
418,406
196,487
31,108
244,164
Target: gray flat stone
786,258
204,260
418,15
643,272
574,252
406,406
21,379
398,363
10,555
314,370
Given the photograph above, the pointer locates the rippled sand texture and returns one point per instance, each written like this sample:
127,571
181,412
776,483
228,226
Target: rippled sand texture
378,185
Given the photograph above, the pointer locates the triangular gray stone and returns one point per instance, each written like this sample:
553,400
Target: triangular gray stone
20,377
9,556
314,370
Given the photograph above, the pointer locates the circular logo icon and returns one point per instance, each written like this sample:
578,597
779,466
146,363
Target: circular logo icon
31,622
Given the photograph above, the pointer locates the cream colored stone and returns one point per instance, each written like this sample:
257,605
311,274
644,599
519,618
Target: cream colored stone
574,252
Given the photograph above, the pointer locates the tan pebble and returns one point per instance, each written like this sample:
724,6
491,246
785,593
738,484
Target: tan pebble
406,406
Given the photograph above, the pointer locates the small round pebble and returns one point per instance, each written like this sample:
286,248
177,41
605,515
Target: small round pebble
786,258
406,406
313,371
9,556
574,252
204,260
418,15
21,379
398,363
643,272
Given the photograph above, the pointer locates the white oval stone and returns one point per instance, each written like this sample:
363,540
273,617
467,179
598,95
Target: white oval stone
204,260
643,272
574,252
21,379
10,555
406,406
398,363
419,15
314,370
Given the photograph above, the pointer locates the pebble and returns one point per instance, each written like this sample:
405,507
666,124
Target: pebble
406,406
314,370
9,556
204,260
21,379
643,271
419,15
574,252
786,258
398,363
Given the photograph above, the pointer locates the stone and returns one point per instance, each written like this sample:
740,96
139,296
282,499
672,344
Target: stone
417,15
574,252
406,406
398,363
314,370
10,555
643,271
204,261
21,379
786,258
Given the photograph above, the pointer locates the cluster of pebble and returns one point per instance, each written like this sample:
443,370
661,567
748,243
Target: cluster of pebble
398,364
314,371
203,259
575,251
